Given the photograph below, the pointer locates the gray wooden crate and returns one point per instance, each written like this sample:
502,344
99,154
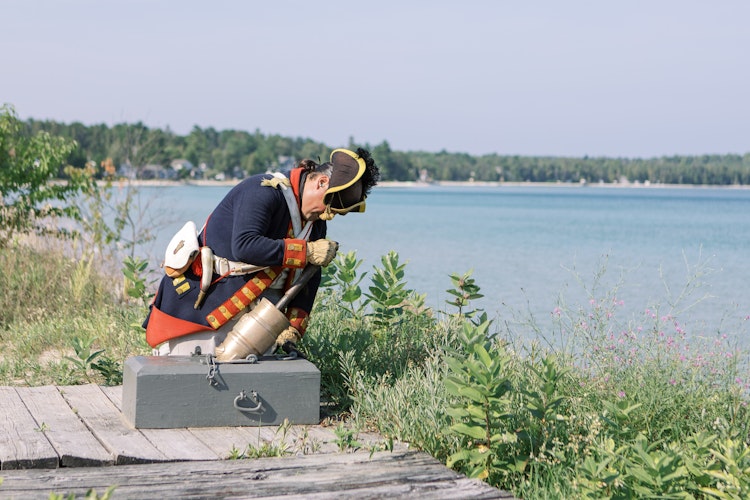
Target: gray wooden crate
165,392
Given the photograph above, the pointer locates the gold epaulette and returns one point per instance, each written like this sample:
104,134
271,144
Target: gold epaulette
275,181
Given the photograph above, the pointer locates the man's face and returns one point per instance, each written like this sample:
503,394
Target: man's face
313,203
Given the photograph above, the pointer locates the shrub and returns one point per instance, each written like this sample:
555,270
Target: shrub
29,200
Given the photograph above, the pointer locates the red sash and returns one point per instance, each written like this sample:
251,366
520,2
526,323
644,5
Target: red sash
242,297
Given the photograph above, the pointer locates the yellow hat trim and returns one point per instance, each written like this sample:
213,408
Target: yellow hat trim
360,171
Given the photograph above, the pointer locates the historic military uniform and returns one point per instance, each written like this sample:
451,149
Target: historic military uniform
253,244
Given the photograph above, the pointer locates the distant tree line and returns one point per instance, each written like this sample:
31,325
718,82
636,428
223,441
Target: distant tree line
237,153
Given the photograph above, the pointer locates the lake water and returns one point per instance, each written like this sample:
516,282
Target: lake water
527,244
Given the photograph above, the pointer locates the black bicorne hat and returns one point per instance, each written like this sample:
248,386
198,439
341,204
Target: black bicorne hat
346,192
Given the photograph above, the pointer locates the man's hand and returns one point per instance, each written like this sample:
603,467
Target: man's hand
291,334
287,341
321,252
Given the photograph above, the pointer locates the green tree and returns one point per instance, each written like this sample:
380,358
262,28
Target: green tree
28,165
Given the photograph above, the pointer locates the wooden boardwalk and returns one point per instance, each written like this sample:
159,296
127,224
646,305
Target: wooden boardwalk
69,438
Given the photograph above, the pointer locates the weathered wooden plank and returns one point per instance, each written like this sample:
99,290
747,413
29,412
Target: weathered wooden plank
179,444
222,440
114,393
314,439
357,475
127,445
73,442
22,444
175,444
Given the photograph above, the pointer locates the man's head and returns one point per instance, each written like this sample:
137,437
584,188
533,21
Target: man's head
353,174
339,186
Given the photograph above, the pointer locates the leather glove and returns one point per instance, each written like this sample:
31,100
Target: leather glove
321,252
290,334
287,341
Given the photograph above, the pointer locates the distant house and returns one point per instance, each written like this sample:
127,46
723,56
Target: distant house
126,171
181,164
154,171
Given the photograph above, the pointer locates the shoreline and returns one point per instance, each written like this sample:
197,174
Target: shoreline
423,185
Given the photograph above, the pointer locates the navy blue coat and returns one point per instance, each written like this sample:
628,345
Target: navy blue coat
249,225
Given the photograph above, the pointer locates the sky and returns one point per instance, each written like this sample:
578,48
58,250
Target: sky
599,78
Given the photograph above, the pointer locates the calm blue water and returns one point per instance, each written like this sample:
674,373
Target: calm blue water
525,245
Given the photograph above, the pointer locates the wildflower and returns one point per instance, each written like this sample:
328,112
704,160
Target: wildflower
621,394
556,311
672,382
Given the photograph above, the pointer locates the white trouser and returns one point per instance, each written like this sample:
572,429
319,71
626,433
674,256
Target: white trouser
210,340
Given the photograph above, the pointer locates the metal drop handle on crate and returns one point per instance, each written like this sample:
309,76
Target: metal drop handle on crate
254,395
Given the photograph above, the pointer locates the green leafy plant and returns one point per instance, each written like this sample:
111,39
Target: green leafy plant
235,454
342,274
266,450
346,438
655,470
136,286
90,495
28,200
543,399
109,369
731,469
464,290
85,356
481,383
389,297
597,476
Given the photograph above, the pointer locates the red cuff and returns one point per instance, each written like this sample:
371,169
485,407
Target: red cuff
298,319
295,253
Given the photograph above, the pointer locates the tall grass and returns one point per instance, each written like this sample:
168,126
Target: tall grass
48,303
